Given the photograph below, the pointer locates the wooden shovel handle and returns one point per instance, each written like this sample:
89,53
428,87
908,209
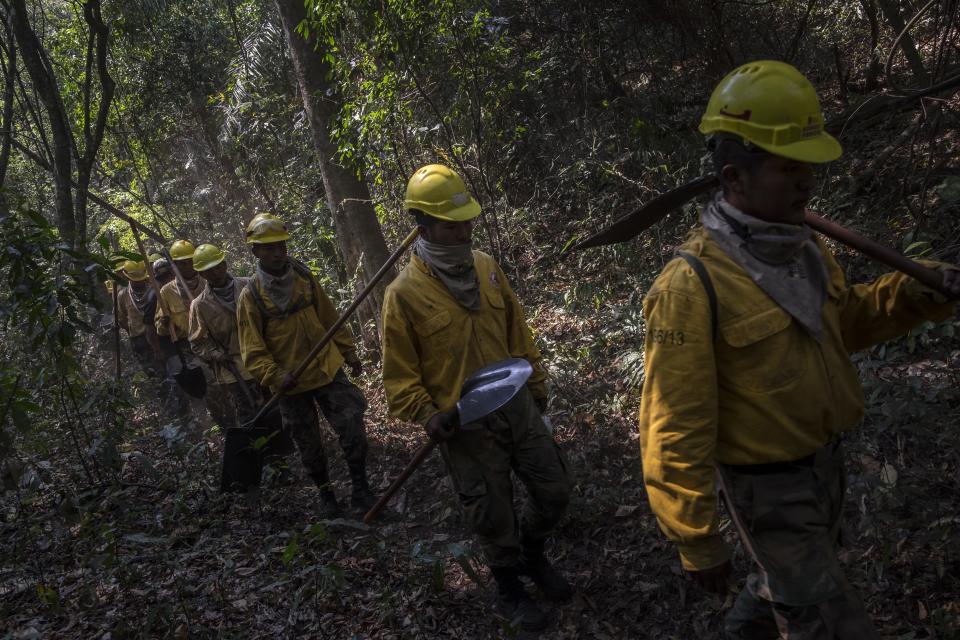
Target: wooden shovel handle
420,456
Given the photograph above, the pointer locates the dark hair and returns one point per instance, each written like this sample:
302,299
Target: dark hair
728,148
423,219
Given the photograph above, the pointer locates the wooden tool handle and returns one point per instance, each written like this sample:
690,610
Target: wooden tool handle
420,456
925,275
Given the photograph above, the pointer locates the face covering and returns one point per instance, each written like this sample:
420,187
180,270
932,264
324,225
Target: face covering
453,264
782,259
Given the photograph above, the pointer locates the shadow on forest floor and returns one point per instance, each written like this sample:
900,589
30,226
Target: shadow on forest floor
162,554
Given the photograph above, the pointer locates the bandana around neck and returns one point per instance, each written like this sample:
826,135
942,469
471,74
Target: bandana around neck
453,264
278,288
227,294
782,259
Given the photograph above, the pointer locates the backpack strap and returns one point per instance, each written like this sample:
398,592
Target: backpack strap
704,276
266,314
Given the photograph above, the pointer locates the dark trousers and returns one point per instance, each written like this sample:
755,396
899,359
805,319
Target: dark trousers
788,517
343,405
481,457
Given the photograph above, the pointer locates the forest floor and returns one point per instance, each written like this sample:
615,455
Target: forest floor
162,554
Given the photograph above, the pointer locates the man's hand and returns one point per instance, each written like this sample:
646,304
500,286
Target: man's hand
714,579
289,382
951,282
356,368
441,426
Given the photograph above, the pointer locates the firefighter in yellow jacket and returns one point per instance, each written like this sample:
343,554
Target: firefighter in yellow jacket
212,322
450,312
173,322
749,382
281,315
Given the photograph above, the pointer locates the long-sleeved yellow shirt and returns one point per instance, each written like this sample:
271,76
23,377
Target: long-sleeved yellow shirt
431,343
274,346
765,391
128,315
213,333
179,309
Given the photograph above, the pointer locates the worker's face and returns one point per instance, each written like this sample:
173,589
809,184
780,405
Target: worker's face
272,256
186,268
140,286
216,276
777,190
448,233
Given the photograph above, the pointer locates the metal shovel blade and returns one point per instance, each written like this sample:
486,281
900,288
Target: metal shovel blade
190,379
242,457
491,387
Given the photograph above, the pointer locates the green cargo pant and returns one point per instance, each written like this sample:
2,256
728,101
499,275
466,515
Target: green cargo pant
480,458
788,517
343,405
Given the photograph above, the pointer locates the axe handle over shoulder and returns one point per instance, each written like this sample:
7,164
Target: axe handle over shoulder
925,275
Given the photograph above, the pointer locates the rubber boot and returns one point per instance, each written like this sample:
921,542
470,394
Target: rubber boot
329,507
513,601
362,497
534,565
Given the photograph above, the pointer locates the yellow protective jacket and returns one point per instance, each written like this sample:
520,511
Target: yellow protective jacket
765,391
179,310
431,343
128,316
213,333
273,344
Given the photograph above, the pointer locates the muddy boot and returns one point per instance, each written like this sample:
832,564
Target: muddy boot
514,603
329,508
362,497
534,565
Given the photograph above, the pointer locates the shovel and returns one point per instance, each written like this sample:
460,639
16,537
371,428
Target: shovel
487,390
246,448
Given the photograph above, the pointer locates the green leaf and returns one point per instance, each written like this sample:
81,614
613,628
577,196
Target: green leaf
290,551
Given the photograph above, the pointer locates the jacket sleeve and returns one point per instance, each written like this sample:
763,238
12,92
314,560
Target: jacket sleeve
122,318
520,340
257,359
160,319
199,335
888,307
678,425
328,315
407,398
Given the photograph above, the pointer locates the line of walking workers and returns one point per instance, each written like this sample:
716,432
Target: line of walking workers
749,384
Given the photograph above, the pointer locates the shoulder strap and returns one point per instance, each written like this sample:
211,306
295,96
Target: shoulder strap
254,286
704,276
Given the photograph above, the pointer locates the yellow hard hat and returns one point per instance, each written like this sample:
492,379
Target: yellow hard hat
135,271
207,256
267,230
117,261
181,250
153,257
773,106
257,218
438,191
109,285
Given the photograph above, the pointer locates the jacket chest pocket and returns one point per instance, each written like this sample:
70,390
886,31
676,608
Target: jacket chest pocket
434,334
762,352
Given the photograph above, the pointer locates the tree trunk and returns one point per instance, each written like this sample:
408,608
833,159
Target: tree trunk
92,136
9,82
45,84
358,234
873,69
891,11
